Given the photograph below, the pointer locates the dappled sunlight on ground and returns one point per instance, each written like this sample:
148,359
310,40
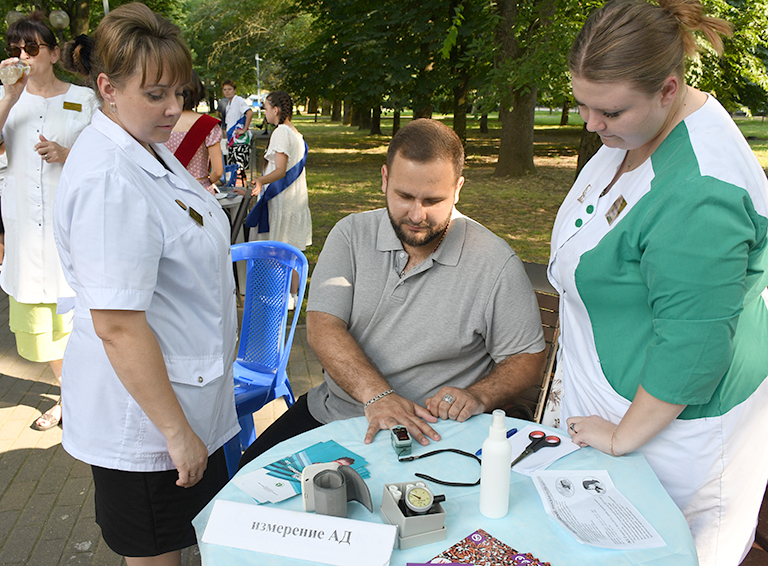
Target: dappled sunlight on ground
380,150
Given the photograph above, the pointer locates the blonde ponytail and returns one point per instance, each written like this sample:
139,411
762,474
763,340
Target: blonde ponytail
641,43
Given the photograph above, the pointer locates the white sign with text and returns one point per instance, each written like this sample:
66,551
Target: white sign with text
293,534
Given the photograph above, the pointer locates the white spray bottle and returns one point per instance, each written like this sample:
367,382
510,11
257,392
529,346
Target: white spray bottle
495,469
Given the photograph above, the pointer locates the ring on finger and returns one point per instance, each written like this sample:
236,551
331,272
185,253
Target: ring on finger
448,398
571,427
45,156
193,475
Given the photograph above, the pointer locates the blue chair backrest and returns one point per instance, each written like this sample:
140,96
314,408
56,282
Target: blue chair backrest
265,312
229,178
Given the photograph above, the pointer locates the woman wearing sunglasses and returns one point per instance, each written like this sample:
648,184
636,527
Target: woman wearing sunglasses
40,116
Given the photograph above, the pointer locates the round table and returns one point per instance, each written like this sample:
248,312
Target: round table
526,528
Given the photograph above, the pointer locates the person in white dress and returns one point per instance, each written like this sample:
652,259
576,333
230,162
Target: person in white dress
41,117
290,220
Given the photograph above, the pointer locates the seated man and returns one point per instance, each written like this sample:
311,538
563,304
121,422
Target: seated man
416,312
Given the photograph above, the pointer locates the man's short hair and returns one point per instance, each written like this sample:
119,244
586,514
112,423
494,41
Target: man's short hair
423,141
229,82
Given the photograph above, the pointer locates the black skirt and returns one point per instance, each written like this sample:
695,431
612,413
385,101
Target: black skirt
146,514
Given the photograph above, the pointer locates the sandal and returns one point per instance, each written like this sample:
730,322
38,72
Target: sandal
47,421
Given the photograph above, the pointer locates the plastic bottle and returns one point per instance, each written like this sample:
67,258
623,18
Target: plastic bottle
10,74
495,469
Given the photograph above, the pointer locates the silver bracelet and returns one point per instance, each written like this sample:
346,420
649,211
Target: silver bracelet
379,396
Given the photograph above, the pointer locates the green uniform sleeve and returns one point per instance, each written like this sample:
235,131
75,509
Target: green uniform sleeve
694,248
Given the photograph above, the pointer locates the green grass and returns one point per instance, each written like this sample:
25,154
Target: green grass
344,176
756,132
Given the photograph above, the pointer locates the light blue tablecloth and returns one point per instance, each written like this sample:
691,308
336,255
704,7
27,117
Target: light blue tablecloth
526,528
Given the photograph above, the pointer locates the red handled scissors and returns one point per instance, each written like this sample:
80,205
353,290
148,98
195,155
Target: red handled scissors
539,440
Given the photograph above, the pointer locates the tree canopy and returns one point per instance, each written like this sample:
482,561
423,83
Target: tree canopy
445,55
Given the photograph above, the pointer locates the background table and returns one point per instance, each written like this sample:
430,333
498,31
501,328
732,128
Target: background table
526,528
228,200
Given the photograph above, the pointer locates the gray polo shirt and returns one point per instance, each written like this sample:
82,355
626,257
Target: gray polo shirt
448,321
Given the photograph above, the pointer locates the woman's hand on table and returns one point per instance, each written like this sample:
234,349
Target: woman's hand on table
50,151
189,455
592,431
646,417
396,410
463,406
255,189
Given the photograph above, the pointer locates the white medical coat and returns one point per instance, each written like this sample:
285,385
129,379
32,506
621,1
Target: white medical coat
31,269
128,241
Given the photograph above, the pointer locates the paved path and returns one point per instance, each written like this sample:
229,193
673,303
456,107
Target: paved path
46,496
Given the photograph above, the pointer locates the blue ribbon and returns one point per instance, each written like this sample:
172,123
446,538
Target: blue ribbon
259,215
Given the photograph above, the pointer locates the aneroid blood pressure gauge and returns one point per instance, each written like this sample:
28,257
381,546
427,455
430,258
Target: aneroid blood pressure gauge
419,499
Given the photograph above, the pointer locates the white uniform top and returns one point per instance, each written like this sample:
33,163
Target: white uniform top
660,284
236,108
31,270
126,242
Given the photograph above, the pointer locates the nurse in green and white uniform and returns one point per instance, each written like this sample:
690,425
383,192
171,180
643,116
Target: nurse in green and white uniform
659,255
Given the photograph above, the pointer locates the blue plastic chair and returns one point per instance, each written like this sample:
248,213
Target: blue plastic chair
229,178
262,357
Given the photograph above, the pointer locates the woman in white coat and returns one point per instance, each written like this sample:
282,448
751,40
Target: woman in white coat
148,370
40,116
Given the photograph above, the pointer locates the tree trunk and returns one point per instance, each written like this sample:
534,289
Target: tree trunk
566,112
80,17
336,111
518,106
460,107
422,96
354,115
484,124
460,78
347,115
376,121
312,106
365,119
326,108
395,121
516,147
590,143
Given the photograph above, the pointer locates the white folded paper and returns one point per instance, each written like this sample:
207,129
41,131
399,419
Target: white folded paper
546,456
263,487
307,536
587,503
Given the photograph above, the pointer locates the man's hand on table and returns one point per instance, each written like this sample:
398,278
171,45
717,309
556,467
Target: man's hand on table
396,410
463,406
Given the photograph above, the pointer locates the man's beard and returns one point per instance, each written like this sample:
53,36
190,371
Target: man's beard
421,239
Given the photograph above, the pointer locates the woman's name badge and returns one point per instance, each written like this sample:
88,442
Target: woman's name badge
76,106
196,216
615,209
